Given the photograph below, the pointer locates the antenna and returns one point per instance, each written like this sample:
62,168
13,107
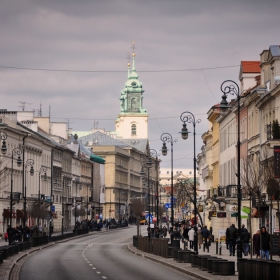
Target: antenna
50,111
95,124
39,112
133,46
68,123
23,105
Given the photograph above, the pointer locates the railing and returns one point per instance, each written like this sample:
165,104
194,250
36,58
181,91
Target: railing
270,135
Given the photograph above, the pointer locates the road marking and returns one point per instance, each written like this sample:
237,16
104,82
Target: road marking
104,277
90,264
94,268
98,272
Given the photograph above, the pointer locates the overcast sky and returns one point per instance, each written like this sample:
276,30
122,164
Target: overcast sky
205,40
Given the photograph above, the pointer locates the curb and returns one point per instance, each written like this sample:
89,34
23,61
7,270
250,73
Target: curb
156,259
25,254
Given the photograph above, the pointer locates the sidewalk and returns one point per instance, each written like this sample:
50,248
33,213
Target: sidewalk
192,271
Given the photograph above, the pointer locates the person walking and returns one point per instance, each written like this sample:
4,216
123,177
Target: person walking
245,237
205,235
256,243
265,244
232,234
10,234
164,231
191,237
199,237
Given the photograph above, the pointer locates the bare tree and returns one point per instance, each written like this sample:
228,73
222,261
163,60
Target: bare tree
78,212
37,211
137,207
185,195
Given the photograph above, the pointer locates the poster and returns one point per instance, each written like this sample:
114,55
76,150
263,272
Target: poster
222,235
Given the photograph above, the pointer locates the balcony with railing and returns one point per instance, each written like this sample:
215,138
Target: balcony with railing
273,131
230,191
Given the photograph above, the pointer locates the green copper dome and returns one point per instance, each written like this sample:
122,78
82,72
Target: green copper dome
132,95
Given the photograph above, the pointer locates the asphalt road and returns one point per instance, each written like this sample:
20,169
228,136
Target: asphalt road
99,256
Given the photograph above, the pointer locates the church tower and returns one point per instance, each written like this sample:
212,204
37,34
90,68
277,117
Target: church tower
132,122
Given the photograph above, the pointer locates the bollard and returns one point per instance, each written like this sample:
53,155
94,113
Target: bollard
203,244
220,251
217,249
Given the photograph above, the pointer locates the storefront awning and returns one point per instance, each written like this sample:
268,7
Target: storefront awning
20,214
97,159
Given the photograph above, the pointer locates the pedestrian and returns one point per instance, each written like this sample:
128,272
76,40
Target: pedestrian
199,237
227,241
245,237
265,244
10,234
164,231
205,234
191,237
232,234
256,243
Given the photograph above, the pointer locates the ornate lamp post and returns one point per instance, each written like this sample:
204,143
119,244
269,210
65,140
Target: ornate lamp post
189,117
29,162
67,185
153,153
90,188
16,152
167,137
230,87
77,181
45,177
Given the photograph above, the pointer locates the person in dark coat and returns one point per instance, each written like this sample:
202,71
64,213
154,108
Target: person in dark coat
245,237
256,243
232,234
10,234
265,244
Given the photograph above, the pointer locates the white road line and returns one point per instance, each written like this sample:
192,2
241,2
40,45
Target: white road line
104,277
94,268
98,272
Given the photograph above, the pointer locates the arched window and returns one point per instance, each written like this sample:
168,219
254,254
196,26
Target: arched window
133,129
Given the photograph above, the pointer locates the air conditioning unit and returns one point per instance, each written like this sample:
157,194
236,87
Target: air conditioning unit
277,80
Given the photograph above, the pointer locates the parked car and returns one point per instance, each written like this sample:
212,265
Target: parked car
143,222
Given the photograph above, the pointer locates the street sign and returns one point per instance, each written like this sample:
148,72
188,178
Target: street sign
167,205
53,208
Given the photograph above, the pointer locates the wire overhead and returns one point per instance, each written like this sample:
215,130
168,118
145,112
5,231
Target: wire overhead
114,71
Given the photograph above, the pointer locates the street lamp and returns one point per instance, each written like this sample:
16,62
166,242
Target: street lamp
44,170
88,184
3,137
189,117
67,185
29,162
153,153
167,137
145,172
16,151
77,180
230,87
45,177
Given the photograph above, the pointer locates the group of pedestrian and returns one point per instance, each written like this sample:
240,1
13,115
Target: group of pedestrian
261,241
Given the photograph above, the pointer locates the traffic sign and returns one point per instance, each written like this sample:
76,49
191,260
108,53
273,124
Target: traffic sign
167,205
